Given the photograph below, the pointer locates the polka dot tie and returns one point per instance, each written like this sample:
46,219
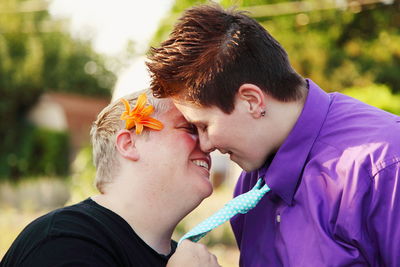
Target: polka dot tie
240,204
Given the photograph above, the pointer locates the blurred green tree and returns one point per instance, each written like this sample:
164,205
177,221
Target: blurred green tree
37,56
376,95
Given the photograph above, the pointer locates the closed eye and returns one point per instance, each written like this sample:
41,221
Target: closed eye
190,128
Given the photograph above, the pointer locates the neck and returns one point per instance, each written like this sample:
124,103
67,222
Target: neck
151,219
283,116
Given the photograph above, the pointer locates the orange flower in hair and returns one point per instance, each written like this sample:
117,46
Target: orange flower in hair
139,116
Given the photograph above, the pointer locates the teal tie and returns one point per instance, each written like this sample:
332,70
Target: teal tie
240,204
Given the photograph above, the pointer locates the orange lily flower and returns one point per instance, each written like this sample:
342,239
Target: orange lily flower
139,116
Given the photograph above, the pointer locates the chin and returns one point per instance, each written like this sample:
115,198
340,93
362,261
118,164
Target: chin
200,188
242,164
250,166
204,185
207,191
246,167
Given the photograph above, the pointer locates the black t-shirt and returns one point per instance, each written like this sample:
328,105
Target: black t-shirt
85,234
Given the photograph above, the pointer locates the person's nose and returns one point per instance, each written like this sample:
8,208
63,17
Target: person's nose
205,143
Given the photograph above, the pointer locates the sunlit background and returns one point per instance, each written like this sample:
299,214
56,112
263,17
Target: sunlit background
121,28
62,61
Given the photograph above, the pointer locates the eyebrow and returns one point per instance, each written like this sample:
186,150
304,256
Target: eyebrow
198,123
193,121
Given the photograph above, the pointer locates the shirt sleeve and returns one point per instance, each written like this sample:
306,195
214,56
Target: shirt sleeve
68,251
383,218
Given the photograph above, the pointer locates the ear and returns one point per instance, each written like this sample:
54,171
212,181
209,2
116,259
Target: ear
125,143
254,97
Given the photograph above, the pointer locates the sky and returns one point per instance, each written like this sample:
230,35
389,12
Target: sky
112,23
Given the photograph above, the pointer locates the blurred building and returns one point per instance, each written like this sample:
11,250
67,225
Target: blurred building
68,112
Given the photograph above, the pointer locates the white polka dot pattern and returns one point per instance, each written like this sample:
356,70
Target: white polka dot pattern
240,204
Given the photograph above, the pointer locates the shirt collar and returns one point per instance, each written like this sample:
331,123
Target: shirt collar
283,173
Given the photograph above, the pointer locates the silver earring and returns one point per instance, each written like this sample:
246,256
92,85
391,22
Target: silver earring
262,113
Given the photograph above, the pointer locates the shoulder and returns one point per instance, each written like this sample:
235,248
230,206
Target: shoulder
348,116
357,134
52,232
355,147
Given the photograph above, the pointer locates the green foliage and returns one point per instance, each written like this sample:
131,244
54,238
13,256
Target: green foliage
72,66
336,49
37,56
83,176
34,60
30,151
378,96
53,148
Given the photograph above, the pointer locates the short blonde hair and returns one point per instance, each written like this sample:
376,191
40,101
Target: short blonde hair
103,135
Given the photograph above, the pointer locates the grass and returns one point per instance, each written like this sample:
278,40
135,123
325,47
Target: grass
12,222
22,202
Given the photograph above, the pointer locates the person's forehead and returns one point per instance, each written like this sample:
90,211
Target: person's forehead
187,105
173,115
195,113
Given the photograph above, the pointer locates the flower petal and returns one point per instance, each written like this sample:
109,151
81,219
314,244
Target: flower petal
138,117
127,106
152,123
139,128
147,111
125,116
140,103
129,124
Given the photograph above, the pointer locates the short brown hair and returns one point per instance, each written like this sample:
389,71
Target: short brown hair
211,52
103,135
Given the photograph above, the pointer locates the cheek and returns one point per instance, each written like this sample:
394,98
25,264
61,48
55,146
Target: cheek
189,140
218,138
218,131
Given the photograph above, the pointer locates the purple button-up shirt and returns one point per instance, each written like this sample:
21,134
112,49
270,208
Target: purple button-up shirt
335,190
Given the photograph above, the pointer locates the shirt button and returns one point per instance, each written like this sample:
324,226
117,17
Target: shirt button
278,218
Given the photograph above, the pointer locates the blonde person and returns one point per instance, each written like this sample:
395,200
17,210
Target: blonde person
150,174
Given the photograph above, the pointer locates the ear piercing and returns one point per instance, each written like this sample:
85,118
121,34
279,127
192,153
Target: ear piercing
262,113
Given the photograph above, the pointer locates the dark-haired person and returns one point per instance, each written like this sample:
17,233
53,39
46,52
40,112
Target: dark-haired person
143,195
332,162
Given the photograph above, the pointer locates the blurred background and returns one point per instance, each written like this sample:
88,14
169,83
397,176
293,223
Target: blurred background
62,61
